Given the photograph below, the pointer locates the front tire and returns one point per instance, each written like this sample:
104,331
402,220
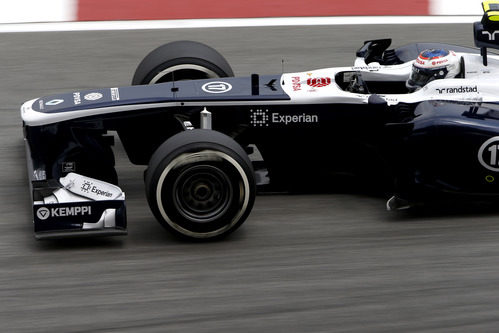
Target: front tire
200,184
181,60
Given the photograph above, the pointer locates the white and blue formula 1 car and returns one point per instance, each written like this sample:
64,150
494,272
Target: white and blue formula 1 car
195,127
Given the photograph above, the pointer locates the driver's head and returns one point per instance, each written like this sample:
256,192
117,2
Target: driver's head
431,65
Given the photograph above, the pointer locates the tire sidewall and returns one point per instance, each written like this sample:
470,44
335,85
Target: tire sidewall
146,77
181,147
178,53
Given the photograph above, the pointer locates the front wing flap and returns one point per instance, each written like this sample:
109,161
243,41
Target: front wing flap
78,206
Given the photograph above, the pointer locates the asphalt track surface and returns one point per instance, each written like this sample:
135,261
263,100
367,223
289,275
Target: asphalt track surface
301,263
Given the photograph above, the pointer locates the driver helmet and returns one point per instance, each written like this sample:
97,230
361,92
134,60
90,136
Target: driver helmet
433,64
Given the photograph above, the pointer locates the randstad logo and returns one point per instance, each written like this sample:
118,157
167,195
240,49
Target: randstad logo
491,35
457,90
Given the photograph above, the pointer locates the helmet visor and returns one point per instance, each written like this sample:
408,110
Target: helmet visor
421,76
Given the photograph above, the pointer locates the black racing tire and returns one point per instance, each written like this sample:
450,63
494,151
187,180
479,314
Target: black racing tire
200,185
181,60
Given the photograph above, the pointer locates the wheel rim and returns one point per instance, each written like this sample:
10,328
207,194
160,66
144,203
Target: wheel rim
202,193
242,191
183,72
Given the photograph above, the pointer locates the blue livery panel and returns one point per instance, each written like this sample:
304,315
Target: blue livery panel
226,89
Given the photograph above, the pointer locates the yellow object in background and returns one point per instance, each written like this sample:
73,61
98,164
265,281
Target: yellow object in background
491,10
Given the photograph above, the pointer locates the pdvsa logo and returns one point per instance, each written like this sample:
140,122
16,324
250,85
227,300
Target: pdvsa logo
439,62
296,83
319,82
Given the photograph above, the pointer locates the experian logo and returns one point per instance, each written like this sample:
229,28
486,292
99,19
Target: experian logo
262,118
88,187
293,119
44,213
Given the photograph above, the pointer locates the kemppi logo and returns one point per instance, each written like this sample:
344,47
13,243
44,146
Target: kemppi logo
44,213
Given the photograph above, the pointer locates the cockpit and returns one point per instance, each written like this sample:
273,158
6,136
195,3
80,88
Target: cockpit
354,82
392,79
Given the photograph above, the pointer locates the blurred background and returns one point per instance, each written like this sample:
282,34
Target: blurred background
91,10
335,262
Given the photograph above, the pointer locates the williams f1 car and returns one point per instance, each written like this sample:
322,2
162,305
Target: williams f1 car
198,130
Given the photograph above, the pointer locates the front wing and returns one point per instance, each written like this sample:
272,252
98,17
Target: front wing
76,205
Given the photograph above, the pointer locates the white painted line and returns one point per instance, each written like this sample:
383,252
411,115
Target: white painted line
16,11
456,7
225,23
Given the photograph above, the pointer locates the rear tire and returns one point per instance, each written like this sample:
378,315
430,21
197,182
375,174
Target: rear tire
200,184
181,60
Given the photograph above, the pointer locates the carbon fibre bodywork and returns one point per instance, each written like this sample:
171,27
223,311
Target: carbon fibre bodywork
328,129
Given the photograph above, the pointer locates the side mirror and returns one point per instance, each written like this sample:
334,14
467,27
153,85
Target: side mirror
376,100
486,32
486,37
